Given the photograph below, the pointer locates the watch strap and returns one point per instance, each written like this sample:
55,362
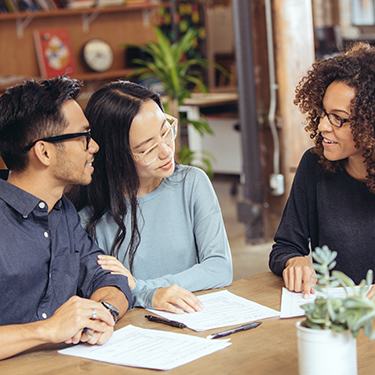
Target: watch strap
114,312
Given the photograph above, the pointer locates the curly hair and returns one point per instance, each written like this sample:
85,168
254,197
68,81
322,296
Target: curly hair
355,68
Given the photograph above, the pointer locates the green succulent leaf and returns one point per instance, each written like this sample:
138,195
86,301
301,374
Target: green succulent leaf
353,312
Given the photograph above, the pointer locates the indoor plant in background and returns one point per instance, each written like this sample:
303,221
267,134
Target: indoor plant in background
179,76
327,338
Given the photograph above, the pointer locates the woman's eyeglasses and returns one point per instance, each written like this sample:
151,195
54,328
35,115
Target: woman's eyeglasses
333,119
151,154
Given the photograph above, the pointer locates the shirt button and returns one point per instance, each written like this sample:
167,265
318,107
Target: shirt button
46,234
44,315
42,205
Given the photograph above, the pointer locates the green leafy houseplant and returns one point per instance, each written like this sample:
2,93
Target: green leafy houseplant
180,76
353,312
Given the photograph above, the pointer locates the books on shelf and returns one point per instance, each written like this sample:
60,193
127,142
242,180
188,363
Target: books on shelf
10,6
47,4
54,52
137,2
104,3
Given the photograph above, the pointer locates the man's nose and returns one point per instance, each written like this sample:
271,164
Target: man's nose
93,146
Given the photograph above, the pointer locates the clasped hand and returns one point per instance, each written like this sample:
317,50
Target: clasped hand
68,322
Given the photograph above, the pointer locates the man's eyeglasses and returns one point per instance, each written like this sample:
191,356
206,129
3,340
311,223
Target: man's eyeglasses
151,154
60,138
332,118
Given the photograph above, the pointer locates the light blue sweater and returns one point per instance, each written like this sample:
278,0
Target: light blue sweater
183,239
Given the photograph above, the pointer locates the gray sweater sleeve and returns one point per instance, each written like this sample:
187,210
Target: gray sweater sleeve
183,238
213,268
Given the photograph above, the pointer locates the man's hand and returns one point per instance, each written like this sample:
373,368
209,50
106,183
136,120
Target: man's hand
298,276
69,321
176,300
112,264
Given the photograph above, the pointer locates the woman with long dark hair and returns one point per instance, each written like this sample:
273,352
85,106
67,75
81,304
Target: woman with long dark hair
160,223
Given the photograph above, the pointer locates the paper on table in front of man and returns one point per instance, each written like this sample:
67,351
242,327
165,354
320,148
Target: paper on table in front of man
291,302
148,348
221,309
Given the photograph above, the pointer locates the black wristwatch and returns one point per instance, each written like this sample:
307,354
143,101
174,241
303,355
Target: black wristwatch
114,312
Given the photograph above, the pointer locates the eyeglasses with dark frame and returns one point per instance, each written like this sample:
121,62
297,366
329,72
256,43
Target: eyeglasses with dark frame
152,153
333,119
60,138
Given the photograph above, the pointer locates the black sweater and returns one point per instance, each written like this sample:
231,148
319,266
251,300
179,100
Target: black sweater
330,209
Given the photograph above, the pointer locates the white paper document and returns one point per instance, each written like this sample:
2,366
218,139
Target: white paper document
221,309
148,348
291,302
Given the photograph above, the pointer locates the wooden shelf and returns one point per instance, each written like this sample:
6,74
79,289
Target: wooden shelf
105,75
130,23
110,74
69,12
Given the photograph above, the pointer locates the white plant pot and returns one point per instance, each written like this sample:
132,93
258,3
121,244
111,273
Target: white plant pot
322,352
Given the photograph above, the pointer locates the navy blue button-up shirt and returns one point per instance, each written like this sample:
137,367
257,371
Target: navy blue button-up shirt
45,258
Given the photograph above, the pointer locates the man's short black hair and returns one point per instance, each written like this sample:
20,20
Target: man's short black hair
31,111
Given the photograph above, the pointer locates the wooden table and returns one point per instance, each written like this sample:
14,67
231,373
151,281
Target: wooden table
271,348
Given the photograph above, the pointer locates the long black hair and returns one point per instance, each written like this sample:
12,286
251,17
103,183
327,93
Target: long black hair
110,112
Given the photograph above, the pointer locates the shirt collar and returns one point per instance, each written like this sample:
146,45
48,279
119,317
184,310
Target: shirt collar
20,200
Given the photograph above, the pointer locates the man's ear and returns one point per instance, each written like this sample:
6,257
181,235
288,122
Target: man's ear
43,151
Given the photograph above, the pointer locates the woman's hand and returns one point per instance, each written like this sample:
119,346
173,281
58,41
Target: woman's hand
176,300
299,276
112,264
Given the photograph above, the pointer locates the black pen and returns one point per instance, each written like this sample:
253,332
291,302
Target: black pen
233,330
172,323
88,331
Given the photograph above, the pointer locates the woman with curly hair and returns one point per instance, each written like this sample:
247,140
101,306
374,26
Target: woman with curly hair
332,200
159,222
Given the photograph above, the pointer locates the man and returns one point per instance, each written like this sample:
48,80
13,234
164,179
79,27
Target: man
52,289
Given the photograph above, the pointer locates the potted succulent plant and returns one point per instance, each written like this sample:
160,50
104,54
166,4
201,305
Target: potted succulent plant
327,338
179,76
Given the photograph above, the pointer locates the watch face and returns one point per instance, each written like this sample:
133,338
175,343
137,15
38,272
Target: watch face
98,55
114,312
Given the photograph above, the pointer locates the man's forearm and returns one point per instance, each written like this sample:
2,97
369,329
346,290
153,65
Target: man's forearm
20,337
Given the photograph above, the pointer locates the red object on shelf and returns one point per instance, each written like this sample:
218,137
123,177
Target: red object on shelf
54,51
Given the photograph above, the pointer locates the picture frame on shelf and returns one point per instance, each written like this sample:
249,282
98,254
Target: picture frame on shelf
54,52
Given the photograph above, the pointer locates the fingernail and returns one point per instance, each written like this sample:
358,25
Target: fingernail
305,296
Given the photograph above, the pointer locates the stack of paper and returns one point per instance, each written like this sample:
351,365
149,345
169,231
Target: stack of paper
221,309
148,348
291,302
156,349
